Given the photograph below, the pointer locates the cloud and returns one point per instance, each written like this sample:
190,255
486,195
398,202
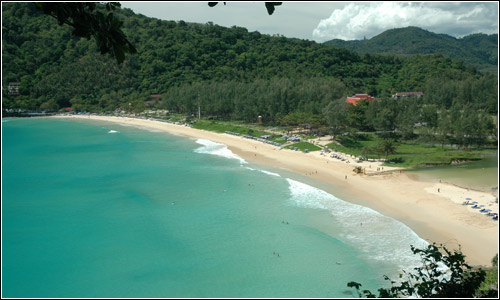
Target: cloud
358,20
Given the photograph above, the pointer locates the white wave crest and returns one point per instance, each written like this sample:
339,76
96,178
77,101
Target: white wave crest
270,173
265,172
209,147
379,237
113,131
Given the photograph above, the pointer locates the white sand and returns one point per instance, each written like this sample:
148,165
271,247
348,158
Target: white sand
435,216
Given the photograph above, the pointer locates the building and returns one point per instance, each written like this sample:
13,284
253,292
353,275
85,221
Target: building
359,97
407,94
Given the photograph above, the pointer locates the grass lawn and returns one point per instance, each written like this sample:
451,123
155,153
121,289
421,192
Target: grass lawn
304,145
410,155
222,127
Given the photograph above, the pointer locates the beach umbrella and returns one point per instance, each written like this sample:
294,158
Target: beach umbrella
475,202
468,198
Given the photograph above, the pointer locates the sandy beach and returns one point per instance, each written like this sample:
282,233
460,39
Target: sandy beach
432,210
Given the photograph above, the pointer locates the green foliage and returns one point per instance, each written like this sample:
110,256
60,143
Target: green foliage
88,22
233,74
221,127
479,50
290,102
443,274
406,155
269,5
489,287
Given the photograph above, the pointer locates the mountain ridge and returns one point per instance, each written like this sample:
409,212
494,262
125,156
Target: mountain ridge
479,50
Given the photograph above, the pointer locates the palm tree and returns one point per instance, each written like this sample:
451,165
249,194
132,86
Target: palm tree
387,146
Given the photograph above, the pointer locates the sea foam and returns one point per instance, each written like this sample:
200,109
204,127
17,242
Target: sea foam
209,147
379,237
270,173
265,172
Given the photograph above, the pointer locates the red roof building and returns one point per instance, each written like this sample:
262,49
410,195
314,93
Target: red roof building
359,97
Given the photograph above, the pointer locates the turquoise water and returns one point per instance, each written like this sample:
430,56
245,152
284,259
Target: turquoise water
106,210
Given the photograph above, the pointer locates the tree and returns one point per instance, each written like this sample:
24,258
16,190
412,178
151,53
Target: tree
269,6
356,115
335,114
442,275
88,22
385,122
387,146
489,287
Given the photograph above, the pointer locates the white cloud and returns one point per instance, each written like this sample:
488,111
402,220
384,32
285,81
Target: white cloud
358,20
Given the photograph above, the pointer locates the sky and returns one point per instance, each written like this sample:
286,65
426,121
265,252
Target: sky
323,21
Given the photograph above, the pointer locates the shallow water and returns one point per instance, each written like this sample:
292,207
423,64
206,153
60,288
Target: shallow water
106,210
480,175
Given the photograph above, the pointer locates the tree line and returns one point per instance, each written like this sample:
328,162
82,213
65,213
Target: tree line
53,65
231,73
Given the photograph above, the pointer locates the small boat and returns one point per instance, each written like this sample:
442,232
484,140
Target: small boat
475,206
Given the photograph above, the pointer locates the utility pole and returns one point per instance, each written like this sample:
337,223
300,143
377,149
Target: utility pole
199,111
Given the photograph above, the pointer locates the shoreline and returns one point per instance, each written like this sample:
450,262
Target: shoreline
434,211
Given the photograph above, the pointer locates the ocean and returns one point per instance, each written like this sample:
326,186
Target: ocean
99,209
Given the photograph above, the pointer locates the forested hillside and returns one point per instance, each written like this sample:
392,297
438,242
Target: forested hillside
479,50
230,72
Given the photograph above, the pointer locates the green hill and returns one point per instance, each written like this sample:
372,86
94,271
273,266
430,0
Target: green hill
479,50
229,71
